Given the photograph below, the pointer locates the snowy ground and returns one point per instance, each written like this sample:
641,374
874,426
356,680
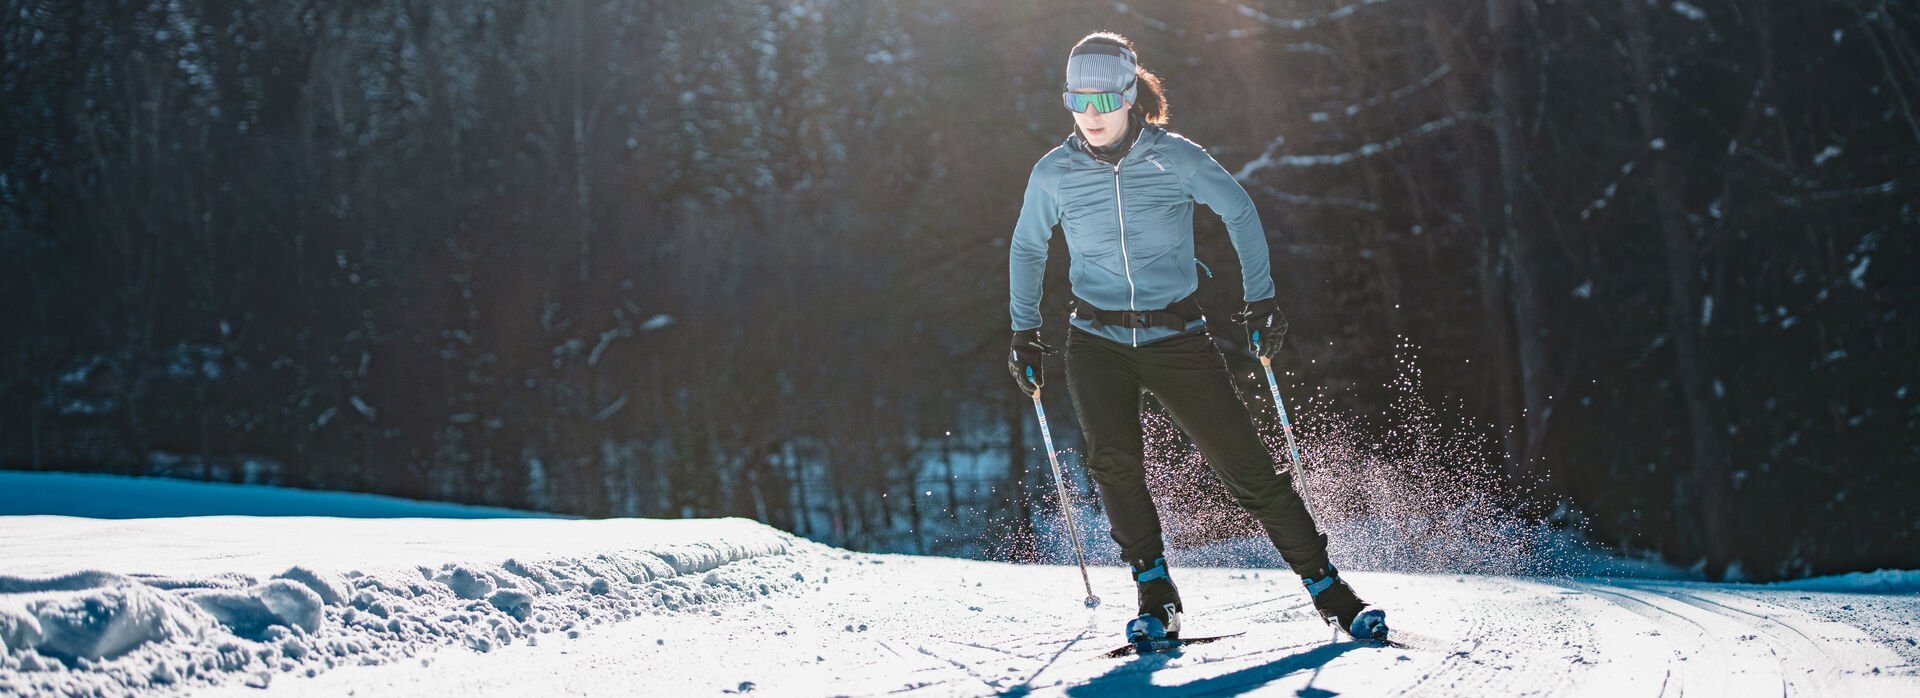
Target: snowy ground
325,606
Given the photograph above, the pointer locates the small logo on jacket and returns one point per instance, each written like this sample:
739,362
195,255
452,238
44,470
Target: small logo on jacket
1155,159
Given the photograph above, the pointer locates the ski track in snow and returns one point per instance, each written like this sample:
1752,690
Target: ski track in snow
629,607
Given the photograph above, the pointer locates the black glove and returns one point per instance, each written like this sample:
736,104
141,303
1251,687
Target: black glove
1023,360
1266,327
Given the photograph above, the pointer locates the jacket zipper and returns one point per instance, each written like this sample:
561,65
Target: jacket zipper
1120,209
1126,263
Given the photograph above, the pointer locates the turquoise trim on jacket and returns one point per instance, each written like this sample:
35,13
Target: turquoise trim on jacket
1152,190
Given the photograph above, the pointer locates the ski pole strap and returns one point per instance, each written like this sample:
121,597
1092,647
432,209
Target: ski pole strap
1174,316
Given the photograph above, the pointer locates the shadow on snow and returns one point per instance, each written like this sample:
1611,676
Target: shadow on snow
1136,677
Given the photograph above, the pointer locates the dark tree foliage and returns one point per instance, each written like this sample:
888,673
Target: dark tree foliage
747,257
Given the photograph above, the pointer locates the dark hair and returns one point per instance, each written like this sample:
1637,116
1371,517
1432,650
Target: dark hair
1151,102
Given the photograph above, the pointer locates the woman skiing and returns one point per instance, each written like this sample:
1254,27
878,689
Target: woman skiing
1122,188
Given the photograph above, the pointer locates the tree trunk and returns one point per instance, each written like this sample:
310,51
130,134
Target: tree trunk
1529,332
804,508
1710,501
583,220
913,517
1495,342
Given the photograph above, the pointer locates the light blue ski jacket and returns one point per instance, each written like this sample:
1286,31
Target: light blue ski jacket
1129,230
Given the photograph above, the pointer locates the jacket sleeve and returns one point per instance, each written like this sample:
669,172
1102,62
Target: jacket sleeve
1028,252
1210,184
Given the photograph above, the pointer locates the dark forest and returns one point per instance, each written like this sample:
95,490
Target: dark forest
749,257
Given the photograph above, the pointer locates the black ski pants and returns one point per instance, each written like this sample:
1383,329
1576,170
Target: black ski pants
1189,376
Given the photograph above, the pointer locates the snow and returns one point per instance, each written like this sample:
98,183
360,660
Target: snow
658,321
413,605
194,601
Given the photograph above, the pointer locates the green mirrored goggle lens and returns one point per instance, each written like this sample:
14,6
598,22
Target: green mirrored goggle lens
1103,102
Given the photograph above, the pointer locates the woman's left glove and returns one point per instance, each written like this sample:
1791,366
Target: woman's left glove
1024,357
1266,327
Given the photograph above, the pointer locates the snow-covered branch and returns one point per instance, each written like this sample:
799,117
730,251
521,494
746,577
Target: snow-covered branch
1428,80
1606,194
1305,200
1299,23
1887,187
1268,159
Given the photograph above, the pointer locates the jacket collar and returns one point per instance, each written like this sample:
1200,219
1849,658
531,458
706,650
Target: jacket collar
1146,136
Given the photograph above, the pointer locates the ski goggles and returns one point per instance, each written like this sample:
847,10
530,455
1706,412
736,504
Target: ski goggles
1103,102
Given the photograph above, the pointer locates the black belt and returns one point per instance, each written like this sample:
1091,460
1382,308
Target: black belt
1175,316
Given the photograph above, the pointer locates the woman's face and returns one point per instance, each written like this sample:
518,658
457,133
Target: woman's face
1102,129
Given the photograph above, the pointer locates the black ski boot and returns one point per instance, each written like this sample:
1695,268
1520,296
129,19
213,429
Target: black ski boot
1343,609
1159,602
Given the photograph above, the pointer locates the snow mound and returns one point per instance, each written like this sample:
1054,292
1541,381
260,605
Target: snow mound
249,613
1875,582
103,623
324,585
96,632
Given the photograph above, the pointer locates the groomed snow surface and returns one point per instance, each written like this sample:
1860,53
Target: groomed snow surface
335,606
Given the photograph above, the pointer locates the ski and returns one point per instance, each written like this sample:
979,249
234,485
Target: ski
1163,645
1403,640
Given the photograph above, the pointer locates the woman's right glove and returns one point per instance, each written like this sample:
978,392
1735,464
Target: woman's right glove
1266,327
1024,357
